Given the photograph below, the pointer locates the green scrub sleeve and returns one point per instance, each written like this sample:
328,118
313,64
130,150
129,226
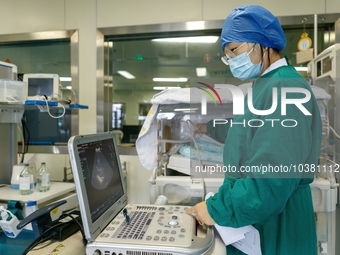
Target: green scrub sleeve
254,196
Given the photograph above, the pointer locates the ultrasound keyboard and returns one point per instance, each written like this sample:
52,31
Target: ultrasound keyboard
157,226
136,227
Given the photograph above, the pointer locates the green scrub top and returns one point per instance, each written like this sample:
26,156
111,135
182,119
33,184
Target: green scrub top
277,203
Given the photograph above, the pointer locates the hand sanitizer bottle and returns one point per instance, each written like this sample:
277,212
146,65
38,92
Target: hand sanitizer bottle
9,223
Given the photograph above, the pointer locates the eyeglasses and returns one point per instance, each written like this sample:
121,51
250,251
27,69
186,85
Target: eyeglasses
231,53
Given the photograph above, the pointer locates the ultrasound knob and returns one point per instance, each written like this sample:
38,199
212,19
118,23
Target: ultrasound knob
97,252
173,223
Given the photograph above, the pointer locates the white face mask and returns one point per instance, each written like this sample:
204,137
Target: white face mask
242,68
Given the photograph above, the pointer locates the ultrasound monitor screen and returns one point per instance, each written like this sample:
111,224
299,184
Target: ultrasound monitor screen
40,86
101,174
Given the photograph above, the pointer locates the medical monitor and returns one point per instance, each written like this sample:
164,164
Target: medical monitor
42,84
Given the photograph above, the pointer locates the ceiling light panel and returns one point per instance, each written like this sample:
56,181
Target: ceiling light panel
126,74
180,79
163,88
195,39
201,71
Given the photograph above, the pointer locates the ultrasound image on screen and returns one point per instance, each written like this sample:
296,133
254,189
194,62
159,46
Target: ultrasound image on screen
101,175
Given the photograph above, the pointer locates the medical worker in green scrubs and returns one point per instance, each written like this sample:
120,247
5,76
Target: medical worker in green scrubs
278,203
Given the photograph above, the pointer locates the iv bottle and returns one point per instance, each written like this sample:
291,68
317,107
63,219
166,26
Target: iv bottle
43,178
26,181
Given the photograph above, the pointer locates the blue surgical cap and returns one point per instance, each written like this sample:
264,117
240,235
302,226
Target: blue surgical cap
253,23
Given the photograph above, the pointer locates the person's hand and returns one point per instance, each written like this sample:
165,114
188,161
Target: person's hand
202,214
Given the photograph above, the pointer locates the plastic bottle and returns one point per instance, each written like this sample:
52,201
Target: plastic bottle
26,181
8,223
43,178
161,200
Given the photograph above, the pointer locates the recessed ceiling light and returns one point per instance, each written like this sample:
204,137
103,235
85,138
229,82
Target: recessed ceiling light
65,78
194,39
181,79
126,74
201,71
163,88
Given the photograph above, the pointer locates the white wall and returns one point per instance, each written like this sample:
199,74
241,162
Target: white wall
218,9
131,13
20,16
127,12
81,15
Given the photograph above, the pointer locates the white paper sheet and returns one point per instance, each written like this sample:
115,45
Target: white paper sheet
246,239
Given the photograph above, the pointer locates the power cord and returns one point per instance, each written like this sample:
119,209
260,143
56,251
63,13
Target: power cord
42,238
22,144
48,235
53,97
26,137
334,132
81,229
48,108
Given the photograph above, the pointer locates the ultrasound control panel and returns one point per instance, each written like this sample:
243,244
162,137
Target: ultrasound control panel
152,224
153,227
